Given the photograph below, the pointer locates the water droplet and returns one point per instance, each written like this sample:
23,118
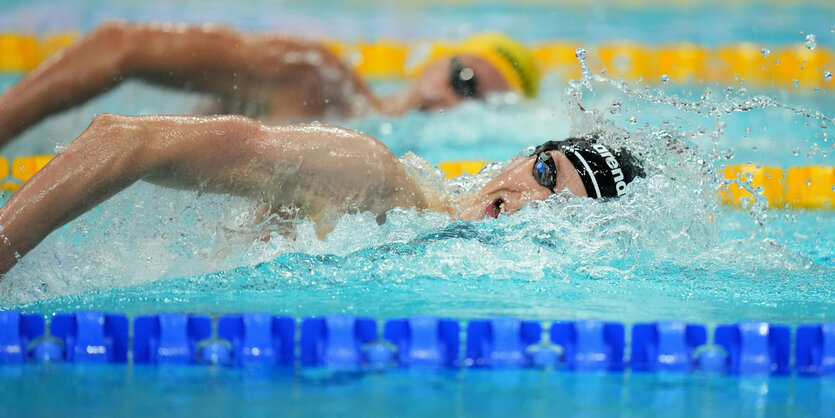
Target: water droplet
615,108
665,78
827,75
811,41
765,52
580,53
633,120
729,154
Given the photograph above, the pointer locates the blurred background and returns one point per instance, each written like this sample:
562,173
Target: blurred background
781,48
708,23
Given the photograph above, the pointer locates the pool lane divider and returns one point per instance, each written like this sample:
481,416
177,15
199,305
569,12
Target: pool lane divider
349,343
809,187
782,66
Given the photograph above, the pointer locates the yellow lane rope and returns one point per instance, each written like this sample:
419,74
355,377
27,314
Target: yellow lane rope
808,187
784,66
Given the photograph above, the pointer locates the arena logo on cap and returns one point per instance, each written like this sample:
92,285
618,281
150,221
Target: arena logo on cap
615,172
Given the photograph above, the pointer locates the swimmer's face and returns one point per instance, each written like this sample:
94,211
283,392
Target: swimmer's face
449,81
515,186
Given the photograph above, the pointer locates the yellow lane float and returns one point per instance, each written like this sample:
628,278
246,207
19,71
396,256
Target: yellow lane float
783,67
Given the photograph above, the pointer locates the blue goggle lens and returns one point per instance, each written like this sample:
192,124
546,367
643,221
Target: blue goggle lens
544,171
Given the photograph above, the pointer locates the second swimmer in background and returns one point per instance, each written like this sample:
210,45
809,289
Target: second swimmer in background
270,77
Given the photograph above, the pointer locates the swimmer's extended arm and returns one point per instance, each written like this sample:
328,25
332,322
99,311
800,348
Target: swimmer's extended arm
257,71
318,168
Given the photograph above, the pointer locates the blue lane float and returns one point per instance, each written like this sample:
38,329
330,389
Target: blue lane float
590,345
336,341
342,342
815,350
92,337
666,346
755,347
501,342
169,338
259,339
16,331
424,341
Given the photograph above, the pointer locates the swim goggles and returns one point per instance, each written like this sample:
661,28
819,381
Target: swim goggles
462,79
545,171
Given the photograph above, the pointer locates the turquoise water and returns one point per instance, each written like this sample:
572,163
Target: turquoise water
709,22
103,391
666,251
653,255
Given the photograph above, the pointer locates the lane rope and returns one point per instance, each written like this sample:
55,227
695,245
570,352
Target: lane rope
358,344
807,187
784,66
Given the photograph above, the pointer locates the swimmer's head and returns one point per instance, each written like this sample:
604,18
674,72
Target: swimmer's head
604,172
514,61
481,65
581,166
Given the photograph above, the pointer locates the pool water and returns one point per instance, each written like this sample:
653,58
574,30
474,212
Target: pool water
77,391
667,250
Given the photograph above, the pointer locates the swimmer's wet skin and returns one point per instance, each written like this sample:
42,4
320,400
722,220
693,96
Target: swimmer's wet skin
271,77
323,171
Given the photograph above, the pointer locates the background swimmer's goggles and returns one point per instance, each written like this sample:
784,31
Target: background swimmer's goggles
545,171
462,79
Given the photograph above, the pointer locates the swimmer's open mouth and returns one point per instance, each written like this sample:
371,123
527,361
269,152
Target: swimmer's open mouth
495,208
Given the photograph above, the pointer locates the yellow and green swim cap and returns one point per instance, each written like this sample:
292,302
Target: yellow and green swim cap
513,60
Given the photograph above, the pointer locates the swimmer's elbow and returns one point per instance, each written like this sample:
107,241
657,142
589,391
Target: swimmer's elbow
114,129
115,139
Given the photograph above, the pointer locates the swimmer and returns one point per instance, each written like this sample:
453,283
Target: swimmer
322,171
273,78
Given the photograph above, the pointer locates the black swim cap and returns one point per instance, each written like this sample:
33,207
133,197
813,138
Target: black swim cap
604,173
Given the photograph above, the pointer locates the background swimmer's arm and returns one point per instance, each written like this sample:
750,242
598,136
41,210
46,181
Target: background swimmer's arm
287,165
237,67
